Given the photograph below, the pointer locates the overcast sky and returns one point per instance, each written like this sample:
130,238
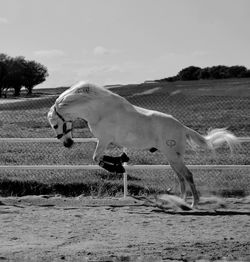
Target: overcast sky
124,41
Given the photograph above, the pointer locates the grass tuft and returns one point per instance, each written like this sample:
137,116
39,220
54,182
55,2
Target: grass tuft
102,188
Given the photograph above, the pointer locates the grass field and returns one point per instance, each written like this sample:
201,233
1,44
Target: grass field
225,183
198,104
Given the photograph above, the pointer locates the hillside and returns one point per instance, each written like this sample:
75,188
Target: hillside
223,87
238,86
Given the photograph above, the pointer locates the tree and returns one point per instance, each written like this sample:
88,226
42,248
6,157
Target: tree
34,74
214,72
246,73
205,73
4,57
219,72
2,76
13,73
237,71
3,72
189,73
17,73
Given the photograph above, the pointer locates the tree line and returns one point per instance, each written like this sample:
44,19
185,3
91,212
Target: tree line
17,72
214,72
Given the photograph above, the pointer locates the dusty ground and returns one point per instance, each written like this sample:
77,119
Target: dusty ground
41,228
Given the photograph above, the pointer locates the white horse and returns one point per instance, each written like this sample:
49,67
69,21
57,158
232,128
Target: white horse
112,119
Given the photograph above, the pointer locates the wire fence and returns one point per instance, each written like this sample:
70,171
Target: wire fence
27,118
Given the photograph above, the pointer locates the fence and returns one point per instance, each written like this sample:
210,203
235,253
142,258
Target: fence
25,146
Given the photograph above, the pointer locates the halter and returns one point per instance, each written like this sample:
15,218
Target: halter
65,130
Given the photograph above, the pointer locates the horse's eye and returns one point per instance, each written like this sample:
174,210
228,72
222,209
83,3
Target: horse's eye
55,126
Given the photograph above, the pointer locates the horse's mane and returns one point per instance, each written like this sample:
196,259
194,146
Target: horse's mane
90,89
83,90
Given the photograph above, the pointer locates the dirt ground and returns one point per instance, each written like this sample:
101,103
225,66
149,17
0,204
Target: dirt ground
45,228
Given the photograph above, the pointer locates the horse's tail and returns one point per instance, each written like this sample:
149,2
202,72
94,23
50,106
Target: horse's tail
213,139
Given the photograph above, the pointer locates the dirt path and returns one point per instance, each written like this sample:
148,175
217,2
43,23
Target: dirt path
74,229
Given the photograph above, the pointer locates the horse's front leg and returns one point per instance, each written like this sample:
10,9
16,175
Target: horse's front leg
110,163
99,150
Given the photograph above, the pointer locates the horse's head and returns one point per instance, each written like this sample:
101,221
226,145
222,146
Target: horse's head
82,100
71,104
61,126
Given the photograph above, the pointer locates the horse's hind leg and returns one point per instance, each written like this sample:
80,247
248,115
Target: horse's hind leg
190,181
181,181
182,171
174,155
174,152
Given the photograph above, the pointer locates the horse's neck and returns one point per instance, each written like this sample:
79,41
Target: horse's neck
92,112
98,109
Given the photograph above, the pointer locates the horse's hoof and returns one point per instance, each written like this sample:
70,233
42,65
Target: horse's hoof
120,169
124,158
68,143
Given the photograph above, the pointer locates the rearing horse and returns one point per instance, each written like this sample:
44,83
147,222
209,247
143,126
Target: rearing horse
112,119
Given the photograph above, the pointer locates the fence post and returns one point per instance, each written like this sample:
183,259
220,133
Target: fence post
125,181
125,184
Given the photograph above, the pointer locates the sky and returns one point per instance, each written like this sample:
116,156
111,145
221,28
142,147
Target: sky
124,41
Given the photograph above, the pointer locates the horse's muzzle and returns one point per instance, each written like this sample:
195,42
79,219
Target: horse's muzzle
68,143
